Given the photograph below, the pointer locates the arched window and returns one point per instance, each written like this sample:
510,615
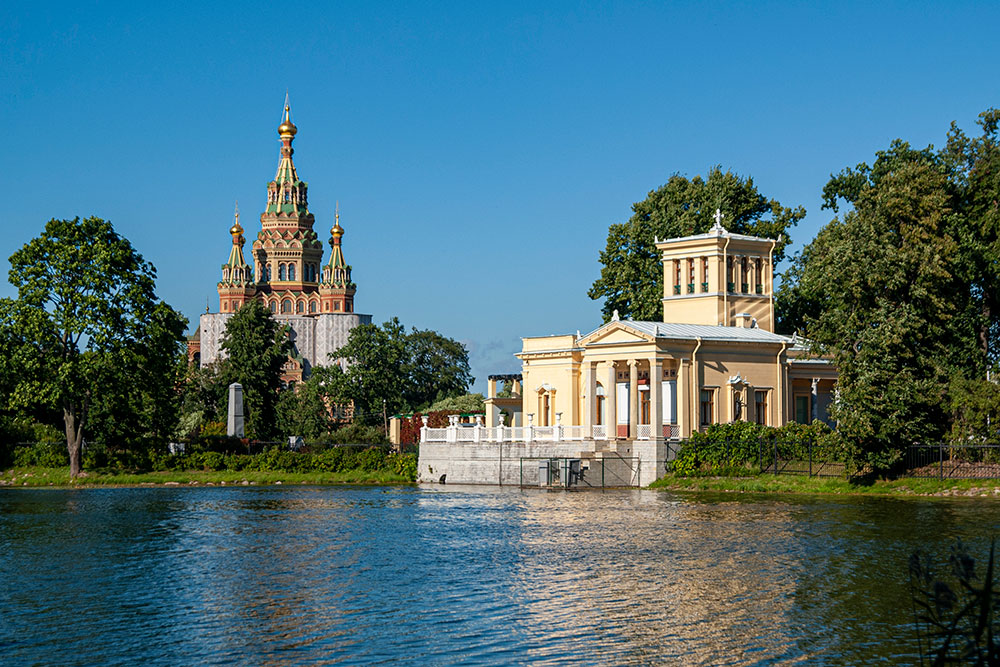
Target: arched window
286,306
281,272
272,307
269,274
336,306
312,306
300,307
291,272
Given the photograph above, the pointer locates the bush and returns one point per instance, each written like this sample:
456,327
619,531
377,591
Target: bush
742,448
357,434
42,454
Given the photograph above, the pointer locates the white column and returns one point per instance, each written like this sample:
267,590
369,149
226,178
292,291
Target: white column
590,400
611,399
633,399
655,400
683,409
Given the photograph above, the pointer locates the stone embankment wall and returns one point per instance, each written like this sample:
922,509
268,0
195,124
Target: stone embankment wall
636,463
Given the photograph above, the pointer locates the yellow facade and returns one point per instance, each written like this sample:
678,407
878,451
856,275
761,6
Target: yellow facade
714,359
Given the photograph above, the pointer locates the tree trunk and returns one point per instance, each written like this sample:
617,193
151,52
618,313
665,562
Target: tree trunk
74,441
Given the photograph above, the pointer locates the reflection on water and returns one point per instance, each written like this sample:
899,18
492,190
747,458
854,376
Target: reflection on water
450,575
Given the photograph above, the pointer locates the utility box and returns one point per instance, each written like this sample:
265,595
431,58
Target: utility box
570,472
548,472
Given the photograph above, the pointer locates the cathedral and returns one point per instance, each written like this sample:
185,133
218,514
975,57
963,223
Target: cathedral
315,300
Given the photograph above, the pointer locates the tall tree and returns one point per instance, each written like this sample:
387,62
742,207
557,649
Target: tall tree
256,348
84,296
885,290
436,367
373,375
140,401
631,279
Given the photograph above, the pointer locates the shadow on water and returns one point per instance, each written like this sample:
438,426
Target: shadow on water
452,575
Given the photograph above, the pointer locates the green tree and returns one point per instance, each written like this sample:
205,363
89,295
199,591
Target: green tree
84,298
467,403
139,404
631,279
255,347
304,410
885,291
373,374
436,367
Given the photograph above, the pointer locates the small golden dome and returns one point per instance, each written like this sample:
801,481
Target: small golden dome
236,229
337,231
287,127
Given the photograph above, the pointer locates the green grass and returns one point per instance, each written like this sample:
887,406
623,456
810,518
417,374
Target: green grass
831,485
59,477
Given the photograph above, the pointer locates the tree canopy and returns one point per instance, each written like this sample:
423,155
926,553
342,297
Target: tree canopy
631,279
85,324
387,370
256,348
901,289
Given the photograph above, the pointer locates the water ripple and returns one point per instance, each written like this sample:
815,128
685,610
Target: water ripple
461,576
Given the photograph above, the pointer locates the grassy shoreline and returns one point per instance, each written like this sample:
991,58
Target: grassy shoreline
36,477
793,484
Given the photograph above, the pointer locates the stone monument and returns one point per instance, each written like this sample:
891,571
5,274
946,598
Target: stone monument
234,425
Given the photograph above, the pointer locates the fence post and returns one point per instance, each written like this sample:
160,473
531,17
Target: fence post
760,453
775,461
423,428
810,457
940,461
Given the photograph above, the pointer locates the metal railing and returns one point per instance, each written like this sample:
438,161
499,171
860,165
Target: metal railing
435,435
952,461
607,471
600,432
643,431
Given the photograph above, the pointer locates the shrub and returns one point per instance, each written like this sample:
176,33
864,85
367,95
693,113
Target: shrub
357,434
43,454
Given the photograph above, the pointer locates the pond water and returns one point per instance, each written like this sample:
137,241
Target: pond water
449,575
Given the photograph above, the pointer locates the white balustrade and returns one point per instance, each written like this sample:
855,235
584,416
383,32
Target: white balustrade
435,435
543,433
643,431
600,432
671,431
572,432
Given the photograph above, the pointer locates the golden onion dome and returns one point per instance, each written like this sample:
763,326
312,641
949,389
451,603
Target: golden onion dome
287,126
337,231
236,229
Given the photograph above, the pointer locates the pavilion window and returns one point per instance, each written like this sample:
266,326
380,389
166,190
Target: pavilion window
746,276
599,416
760,406
707,407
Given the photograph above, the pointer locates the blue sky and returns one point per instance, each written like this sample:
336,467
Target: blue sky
478,153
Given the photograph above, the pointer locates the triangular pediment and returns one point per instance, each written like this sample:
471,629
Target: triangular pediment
616,333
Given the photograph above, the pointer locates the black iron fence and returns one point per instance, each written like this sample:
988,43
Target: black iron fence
944,461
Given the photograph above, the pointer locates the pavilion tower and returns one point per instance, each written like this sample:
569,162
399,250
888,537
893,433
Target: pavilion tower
287,252
237,284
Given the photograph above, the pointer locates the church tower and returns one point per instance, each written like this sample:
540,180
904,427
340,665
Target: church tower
336,289
237,284
287,253
314,301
